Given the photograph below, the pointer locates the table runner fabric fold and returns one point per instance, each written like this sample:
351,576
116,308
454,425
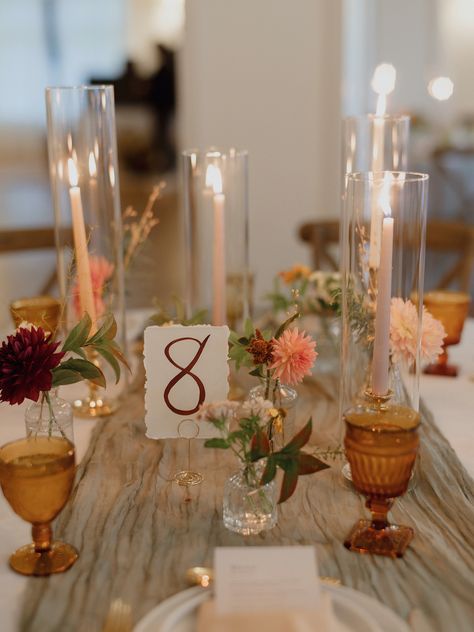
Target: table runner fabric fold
137,536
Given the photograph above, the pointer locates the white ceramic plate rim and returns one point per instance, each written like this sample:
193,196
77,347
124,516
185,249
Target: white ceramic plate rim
388,620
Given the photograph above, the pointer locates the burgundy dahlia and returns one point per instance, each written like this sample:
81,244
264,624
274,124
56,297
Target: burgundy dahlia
26,360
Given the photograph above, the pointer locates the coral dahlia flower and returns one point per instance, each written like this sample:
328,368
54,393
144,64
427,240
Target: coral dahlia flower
293,356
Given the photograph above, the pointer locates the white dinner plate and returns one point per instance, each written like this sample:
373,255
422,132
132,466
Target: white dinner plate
356,612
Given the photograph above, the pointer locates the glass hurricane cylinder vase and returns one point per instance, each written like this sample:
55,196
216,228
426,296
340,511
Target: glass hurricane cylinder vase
375,143
383,212
215,195
84,180
249,508
50,416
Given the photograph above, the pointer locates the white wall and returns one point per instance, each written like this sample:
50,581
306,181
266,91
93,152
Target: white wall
456,23
265,75
90,41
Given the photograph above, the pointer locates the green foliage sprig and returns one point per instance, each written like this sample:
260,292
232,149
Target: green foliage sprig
251,443
79,342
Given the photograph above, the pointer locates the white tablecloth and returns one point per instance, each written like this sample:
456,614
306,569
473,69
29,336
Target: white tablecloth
451,401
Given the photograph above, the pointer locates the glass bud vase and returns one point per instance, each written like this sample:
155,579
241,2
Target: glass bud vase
248,508
284,399
50,416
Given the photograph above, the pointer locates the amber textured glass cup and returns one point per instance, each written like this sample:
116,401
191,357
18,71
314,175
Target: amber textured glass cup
40,311
451,308
36,475
381,446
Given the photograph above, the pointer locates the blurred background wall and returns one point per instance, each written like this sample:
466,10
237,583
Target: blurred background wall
270,75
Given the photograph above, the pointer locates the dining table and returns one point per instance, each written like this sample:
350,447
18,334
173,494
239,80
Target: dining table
137,531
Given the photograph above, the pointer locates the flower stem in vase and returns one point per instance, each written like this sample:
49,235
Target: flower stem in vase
52,416
94,405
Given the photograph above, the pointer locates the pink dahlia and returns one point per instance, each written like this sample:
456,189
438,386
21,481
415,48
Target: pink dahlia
101,272
293,356
432,336
26,360
404,332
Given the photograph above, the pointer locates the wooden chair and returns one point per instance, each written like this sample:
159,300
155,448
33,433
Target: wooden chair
29,239
457,238
454,166
320,236
442,237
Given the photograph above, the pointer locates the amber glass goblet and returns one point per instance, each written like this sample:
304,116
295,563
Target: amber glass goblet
381,446
40,311
36,475
451,308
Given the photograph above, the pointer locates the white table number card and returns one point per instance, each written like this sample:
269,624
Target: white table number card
255,579
185,368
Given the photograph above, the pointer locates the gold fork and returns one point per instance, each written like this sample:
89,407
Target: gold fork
119,617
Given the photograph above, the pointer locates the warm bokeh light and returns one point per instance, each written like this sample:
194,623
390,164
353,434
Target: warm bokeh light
441,88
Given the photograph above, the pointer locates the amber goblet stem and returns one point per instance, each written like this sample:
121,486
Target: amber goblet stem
42,535
379,508
443,356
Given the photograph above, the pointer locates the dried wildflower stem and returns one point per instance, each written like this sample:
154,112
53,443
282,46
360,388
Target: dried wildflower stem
140,230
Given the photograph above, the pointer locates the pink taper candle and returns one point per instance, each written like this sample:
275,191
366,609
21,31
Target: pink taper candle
86,295
381,355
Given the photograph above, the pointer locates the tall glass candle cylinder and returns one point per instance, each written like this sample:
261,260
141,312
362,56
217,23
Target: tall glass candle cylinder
381,357
375,143
215,194
83,168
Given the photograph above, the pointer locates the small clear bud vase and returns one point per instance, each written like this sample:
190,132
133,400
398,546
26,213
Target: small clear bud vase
249,508
284,399
84,178
50,416
383,256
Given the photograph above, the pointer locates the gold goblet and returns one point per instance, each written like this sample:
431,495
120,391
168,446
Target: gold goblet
41,311
451,309
381,446
36,475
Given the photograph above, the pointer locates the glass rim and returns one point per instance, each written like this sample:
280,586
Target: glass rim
215,152
387,430
71,451
103,87
446,297
396,118
399,177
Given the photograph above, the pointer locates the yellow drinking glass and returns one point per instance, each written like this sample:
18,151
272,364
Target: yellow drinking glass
451,308
36,476
381,445
40,311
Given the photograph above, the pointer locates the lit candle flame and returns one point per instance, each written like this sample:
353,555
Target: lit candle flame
214,179
383,83
73,177
384,199
92,166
